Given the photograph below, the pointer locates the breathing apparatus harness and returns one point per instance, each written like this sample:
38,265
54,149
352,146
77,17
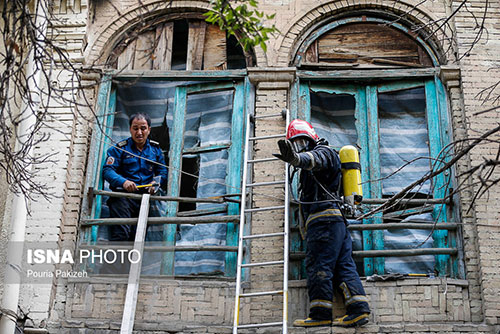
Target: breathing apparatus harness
350,181
334,197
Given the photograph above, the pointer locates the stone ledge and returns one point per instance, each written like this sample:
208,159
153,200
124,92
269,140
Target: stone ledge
169,327
271,74
402,282
450,75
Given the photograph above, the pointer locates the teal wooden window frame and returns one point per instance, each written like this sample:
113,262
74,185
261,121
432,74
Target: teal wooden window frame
105,109
366,122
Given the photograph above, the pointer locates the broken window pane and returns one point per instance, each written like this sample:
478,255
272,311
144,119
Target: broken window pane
332,116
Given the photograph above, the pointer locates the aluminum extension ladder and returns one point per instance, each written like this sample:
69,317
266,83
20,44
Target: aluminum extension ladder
244,213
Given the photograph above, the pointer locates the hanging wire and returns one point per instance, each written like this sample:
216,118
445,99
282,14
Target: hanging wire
235,188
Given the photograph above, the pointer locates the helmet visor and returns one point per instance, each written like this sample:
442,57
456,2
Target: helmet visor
300,144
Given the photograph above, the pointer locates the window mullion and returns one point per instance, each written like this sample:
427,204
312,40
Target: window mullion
105,114
361,122
438,183
446,138
374,157
105,135
234,171
97,145
304,103
174,177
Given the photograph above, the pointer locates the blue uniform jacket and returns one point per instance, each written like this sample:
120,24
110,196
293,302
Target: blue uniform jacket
121,166
321,164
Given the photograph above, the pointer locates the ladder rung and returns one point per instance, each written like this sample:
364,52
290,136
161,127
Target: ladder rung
268,137
262,264
256,236
268,116
262,160
268,208
263,293
267,324
258,184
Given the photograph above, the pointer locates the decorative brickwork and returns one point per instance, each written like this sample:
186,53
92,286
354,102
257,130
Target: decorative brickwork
305,21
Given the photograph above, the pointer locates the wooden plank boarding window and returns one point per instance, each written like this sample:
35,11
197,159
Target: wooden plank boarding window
363,42
198,46
198,120
398,118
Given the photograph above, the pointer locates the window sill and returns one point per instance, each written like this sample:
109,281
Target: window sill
118,279
399,282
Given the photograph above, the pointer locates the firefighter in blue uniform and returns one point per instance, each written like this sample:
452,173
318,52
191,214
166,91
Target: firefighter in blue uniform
128,166
329,262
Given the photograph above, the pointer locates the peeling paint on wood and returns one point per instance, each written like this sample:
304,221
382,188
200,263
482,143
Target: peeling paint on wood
196,41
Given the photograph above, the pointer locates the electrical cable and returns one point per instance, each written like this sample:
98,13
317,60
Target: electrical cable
189,174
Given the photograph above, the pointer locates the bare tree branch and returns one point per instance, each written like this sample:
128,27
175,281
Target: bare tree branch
456,157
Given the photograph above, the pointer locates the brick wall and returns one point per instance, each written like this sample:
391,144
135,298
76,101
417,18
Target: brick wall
168,305
54,222
411,305
479,71
201,306
270,99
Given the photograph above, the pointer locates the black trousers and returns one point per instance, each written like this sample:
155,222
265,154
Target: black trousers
121,207
330,266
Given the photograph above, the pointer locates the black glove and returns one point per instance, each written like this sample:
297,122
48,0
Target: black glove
287,153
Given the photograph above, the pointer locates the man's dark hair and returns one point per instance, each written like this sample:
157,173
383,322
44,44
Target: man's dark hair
139,116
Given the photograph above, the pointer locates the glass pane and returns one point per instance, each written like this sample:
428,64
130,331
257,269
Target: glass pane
332,116
404,139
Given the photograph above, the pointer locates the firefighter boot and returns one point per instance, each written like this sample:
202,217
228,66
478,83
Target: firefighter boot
309,322
352,320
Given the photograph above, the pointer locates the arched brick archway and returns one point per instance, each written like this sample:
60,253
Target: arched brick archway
420,19
107,37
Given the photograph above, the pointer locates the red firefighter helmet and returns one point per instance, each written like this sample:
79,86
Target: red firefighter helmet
299,128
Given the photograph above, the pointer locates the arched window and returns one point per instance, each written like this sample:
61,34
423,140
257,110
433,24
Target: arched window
373,83
191,80
181,44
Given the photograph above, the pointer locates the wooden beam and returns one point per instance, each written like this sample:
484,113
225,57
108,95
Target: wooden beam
404,252
162,198
163,220
416,201
163,50
144,51
127,57
370,74
165,248
312,53
178,75
196,41
415,226
297,256
215,49
135,270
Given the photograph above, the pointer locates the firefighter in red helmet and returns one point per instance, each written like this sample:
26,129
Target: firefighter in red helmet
329,262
